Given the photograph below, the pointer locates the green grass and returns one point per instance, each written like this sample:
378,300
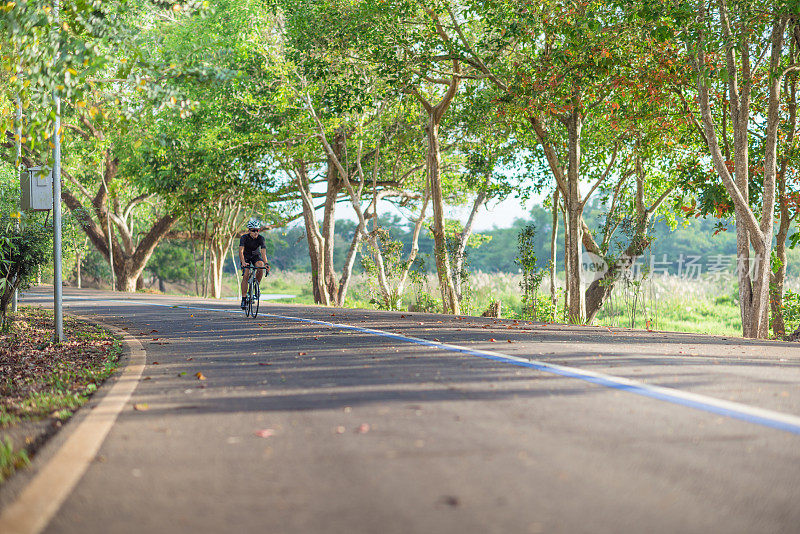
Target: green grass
664,303
669,303
10,459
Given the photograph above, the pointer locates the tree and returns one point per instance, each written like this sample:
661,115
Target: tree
725,46
405,42
567,70
100,71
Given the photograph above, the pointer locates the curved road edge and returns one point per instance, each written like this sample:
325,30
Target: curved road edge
38,502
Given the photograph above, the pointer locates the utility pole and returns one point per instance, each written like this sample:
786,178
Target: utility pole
15,296
57,288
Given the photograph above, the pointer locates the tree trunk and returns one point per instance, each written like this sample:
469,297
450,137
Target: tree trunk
463,239
314,238
128,268
779,276
78,268
753,289
567,263
553,240
217,267
347,269
449,298
334,184
577,303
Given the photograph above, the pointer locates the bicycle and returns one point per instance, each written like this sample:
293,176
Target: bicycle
253,292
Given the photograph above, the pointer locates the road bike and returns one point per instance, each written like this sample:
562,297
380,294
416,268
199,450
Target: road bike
253,295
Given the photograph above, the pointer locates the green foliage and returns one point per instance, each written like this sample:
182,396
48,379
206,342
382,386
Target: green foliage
172,261
11,459
424,301
22,251
791,310
531,275
393,265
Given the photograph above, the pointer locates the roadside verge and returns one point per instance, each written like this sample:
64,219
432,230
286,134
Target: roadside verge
38,502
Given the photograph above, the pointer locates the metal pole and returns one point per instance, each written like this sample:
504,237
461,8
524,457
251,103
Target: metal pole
57,289
15,296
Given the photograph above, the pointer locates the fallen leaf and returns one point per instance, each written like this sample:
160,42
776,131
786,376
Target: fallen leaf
510,341
154,331
265,433
449,500
493,340
301,353
362,429
189,359
263,363
340,429
142,407
200,376
155,363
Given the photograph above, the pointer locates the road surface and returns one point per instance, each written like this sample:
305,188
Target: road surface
322,420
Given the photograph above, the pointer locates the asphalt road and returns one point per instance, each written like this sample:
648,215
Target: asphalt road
303,427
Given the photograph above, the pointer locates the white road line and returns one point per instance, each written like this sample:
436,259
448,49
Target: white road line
44,495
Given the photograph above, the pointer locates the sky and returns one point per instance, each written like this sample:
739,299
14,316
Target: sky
495,215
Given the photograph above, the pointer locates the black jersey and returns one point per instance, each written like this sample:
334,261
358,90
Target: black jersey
251,245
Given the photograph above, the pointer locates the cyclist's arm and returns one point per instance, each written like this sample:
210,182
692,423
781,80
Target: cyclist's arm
241,255
263,250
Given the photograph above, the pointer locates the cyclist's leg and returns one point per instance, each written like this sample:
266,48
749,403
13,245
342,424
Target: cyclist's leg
259,272
245,278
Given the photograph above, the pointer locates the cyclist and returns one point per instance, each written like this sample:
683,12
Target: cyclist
252,252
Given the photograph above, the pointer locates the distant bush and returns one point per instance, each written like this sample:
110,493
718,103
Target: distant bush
791,309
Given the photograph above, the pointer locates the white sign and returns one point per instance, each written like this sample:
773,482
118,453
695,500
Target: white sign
37,189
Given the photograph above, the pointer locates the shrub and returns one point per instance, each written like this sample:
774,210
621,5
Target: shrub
791,309
531,274
22,251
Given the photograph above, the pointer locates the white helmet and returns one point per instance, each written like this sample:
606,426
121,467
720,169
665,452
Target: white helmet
254,224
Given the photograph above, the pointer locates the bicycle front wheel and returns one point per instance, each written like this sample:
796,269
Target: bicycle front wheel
255,300
248,308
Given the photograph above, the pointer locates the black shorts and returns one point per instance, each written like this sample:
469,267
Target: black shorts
251,260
